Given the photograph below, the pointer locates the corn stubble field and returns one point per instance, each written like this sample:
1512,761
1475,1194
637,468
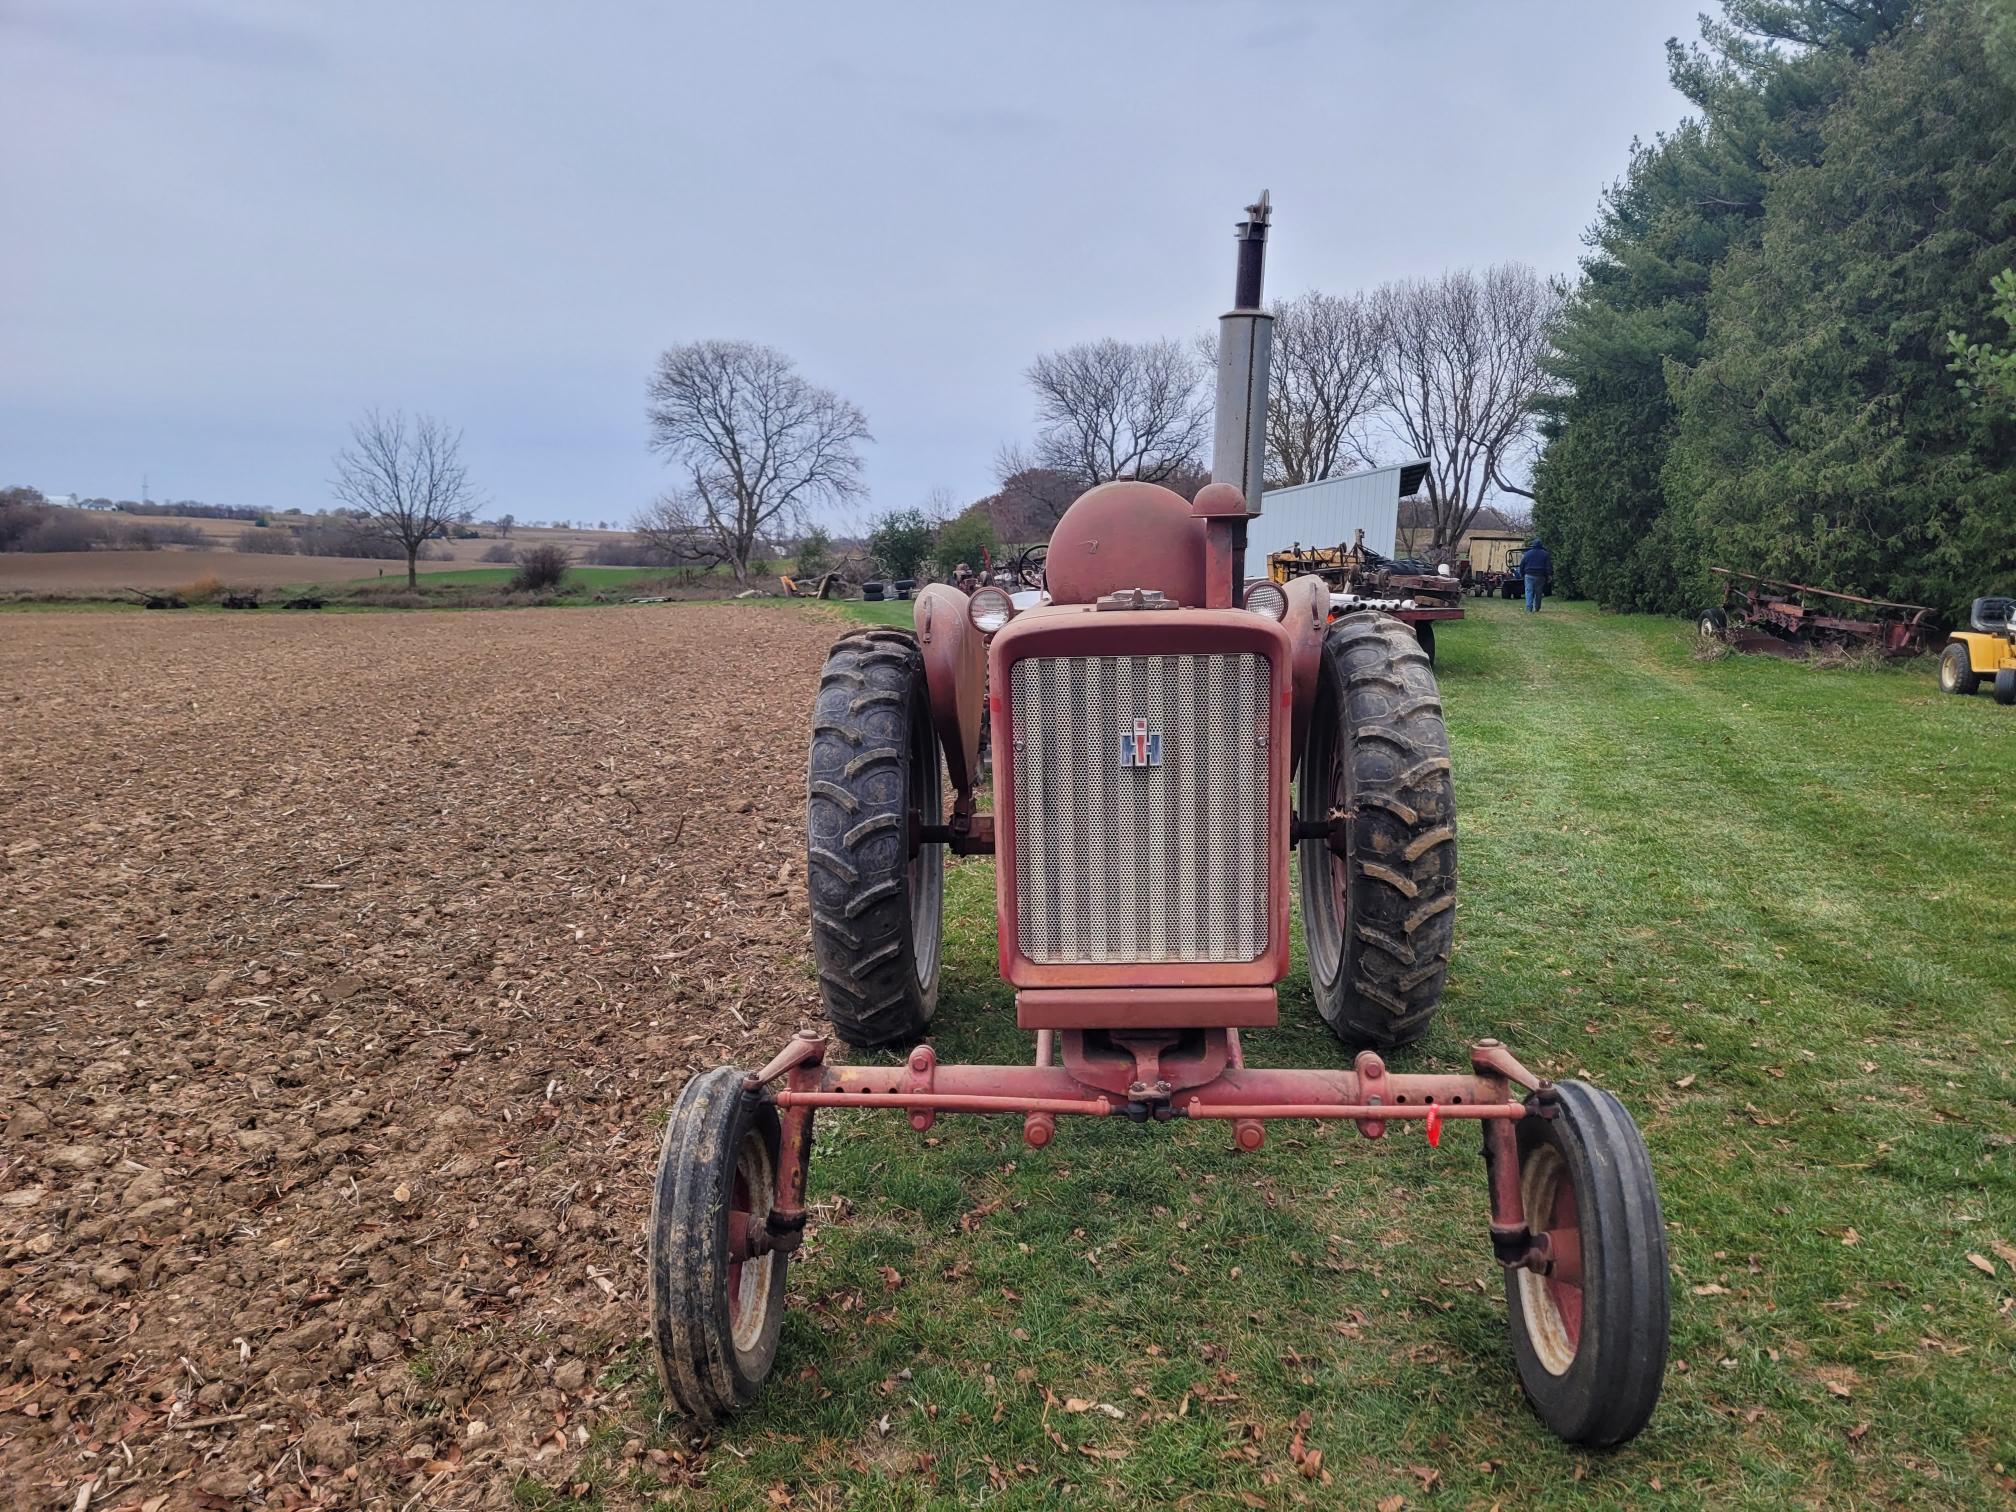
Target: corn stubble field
350,964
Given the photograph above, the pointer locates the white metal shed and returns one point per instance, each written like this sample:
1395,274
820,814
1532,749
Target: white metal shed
1329,511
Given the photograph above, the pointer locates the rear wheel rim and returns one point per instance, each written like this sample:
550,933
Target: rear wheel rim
1329,903
750,1199
1552,1306
925,877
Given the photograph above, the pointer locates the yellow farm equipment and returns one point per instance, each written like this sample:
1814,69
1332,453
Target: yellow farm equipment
1360,578
1984,652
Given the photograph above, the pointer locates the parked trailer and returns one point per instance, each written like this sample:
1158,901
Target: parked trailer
1763,614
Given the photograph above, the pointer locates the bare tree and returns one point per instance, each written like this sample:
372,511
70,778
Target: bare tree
407,477
1325,375
1459,371
677,531
1115,409
1032,498
758,444
1029,499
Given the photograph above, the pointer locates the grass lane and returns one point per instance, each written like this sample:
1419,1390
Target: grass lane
1766,904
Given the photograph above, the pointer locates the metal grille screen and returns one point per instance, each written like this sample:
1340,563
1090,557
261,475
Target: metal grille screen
1141,850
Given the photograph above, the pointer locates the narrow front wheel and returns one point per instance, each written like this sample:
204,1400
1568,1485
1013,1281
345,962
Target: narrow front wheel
1590,1333
1956,670
716,1307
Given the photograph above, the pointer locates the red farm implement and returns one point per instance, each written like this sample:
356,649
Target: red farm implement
1169,741
1790,619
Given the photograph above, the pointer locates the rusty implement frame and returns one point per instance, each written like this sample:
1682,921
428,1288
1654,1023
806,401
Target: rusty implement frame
1778,625
1158,1077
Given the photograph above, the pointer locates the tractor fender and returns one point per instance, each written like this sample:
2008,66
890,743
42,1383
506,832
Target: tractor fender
1307,622
955,671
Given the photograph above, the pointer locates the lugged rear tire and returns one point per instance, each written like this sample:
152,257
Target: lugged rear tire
1378,918
877,910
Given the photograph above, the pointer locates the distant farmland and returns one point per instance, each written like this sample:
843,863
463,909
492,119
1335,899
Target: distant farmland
85,572
106,571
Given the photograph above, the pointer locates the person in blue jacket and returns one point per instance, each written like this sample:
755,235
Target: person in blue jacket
1537,568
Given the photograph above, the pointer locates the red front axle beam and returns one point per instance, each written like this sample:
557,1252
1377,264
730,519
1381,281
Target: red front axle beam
1188,1081
1368,1094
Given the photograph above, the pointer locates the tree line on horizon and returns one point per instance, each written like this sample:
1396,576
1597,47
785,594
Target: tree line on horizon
1781,355
1445,368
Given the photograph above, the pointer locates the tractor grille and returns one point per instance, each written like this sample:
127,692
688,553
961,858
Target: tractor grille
1121,862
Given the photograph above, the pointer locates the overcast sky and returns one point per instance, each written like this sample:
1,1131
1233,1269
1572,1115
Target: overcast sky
233,224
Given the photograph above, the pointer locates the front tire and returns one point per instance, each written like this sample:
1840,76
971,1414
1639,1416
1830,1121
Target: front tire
877,897
1590,1339
1378,913
715,1319
1713,624
2005,686
1956,670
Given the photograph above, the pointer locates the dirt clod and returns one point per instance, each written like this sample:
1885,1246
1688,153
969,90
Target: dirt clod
111,1277
328,1444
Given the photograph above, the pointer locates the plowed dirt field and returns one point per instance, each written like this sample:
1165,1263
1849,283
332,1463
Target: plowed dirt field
345,966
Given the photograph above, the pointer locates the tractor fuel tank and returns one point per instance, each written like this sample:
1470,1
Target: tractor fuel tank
1127,535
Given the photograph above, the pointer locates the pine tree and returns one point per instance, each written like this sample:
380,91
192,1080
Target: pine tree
1820,435
1753,369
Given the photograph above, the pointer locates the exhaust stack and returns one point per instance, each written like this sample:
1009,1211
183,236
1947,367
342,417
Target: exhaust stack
1245,344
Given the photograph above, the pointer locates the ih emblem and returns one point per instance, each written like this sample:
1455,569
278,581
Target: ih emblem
1141,746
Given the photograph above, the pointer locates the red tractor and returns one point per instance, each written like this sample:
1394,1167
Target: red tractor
1167,742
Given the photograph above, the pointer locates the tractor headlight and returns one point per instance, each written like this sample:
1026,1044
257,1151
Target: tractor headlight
1265,596
990,608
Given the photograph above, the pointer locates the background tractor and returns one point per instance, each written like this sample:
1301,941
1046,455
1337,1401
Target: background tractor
1984,652
1169,741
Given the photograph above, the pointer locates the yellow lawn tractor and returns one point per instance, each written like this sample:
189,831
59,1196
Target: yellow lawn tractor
1984,652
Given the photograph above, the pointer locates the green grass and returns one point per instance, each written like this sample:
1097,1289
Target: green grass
902,614
578,578
489,588
1767,904
462,588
